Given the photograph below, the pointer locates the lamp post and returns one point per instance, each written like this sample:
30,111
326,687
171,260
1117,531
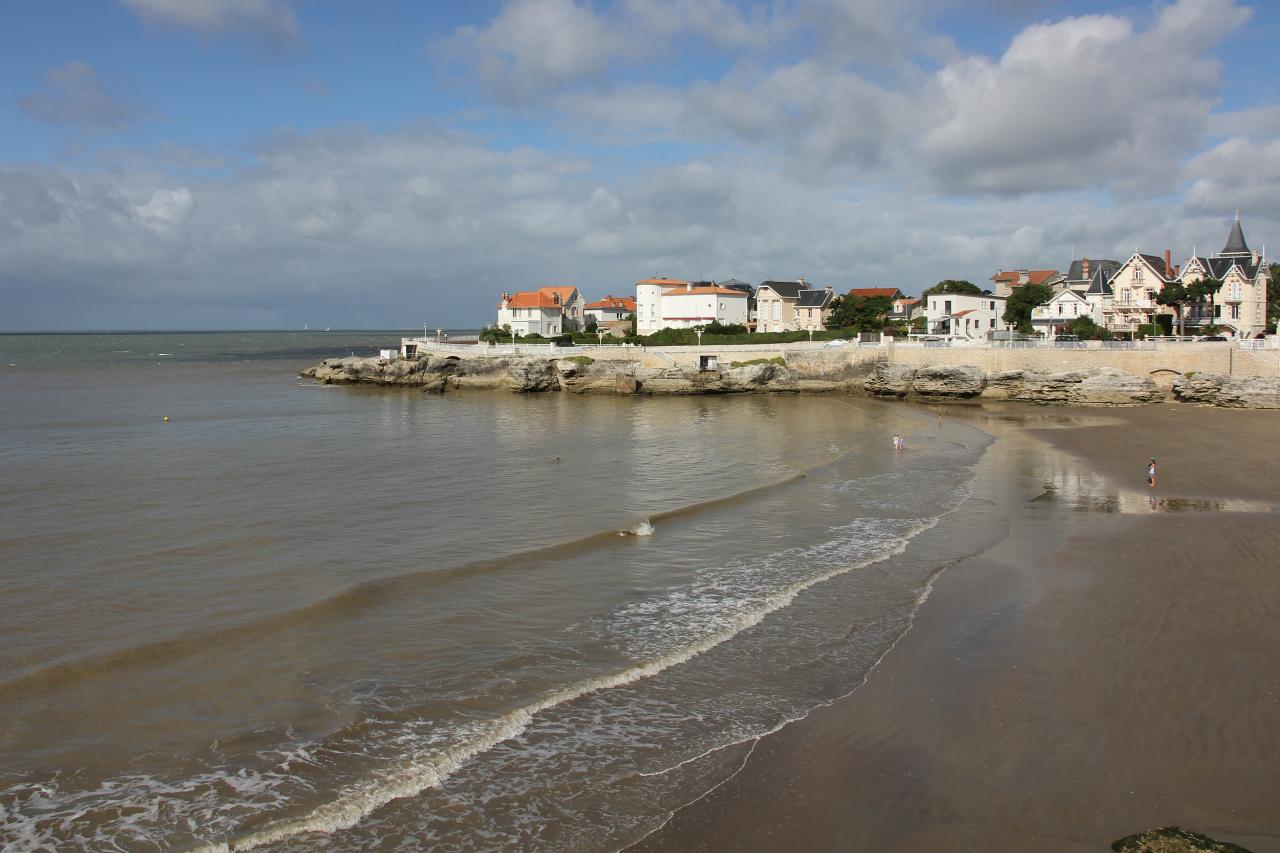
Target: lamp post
600,337
424,331
698,332
811,336
513,341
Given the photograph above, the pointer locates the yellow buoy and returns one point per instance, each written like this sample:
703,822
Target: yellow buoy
166,418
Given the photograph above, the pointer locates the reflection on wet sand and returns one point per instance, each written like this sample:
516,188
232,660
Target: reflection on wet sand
1067,484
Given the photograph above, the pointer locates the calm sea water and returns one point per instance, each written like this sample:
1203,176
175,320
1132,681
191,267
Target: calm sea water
297,616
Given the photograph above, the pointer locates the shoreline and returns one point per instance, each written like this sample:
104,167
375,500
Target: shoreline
1102,669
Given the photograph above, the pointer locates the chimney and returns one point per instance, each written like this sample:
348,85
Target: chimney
506,297
1256,257
1168,264
1084,267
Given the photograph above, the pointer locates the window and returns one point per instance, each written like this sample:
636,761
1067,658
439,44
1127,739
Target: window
948,304
1235,312
1126,296
993,322
1059,309
777,310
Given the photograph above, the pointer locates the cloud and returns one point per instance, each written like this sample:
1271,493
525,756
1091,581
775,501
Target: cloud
1236,174
535,46
75,95
1077,103
271,19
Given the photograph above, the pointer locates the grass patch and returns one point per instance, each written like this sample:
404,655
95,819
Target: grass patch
584,360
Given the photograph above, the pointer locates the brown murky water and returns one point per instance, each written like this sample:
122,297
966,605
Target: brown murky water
298,616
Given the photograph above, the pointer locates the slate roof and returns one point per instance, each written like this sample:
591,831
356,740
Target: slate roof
1236,246
1100,282
1076,273
785,289
1219,267
814,298
1157,264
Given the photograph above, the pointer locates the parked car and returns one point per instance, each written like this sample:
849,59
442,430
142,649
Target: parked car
1214,338
836,342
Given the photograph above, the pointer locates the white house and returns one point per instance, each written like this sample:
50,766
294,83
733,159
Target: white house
649,302
1241,304
1053,317
531,312
571,303
1136,284
670,303
961,316
691,306
610,309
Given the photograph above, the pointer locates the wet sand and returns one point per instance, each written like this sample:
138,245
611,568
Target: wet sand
1108,667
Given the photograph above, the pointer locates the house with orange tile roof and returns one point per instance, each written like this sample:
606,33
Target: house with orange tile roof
531,312
546,311
1007,280
891,293
574,319
610,309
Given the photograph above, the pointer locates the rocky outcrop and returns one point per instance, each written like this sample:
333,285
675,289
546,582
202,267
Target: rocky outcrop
1102,386
1107,386
1232,392
580,375
890,380
951,380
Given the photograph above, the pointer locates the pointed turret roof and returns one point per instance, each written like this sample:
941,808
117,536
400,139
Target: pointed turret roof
1236,246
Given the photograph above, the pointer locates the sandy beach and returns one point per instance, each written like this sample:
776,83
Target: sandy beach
1111,665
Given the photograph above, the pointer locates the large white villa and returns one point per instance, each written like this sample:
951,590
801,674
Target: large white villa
669,303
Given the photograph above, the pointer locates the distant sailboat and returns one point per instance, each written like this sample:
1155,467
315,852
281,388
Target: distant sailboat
327,329
306,327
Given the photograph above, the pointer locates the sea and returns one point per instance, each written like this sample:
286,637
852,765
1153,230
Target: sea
240,610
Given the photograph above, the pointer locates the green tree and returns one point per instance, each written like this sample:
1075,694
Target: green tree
863,313
1017,309
591,325
1175,296
1206,289
953,285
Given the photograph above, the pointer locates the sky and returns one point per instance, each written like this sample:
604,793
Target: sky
228,164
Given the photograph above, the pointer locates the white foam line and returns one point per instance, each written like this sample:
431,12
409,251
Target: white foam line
921,598
363,799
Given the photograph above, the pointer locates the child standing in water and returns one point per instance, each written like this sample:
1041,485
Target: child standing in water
1151,473
897,442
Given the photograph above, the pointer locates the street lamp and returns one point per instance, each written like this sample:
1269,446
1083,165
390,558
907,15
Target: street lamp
600,336
811,336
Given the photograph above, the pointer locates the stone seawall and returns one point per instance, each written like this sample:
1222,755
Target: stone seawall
809,371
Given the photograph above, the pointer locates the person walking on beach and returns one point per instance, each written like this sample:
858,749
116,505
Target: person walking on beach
1151,473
